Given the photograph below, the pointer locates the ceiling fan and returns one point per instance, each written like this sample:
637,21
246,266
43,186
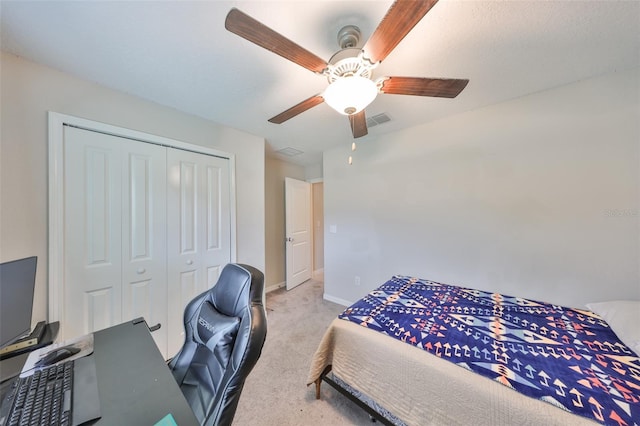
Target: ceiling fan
349,71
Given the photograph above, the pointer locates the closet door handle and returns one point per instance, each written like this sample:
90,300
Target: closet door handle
141,271
189,262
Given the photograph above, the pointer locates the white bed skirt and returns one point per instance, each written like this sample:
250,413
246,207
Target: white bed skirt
421,389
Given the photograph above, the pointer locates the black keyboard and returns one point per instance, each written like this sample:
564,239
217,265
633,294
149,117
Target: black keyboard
44,398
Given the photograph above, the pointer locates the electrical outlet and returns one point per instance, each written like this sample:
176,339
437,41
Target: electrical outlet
357,280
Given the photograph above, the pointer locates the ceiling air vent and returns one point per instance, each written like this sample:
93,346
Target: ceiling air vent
289,152
377,119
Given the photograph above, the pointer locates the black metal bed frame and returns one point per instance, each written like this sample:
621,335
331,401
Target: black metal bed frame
375,416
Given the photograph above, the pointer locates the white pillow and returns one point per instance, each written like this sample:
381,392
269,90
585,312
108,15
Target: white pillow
623,316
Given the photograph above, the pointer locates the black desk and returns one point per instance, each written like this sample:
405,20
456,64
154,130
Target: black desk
134,382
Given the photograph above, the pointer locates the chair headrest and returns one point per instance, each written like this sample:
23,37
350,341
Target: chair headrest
238,287
214,328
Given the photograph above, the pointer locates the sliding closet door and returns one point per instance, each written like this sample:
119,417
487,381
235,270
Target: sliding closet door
199,230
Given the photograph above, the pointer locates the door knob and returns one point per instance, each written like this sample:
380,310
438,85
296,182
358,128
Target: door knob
141,271
189,262
288,239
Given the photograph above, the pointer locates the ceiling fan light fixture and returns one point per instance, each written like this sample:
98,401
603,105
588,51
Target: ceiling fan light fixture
351,94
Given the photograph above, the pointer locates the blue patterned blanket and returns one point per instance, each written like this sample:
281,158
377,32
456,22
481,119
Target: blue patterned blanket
567,357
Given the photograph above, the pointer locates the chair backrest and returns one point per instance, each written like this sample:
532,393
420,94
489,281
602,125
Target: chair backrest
225,329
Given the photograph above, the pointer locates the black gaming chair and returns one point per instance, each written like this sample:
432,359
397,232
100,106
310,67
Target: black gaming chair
225,329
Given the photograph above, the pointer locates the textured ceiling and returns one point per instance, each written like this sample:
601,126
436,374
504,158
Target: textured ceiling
179,54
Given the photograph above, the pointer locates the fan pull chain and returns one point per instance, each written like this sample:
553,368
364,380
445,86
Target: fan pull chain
353,148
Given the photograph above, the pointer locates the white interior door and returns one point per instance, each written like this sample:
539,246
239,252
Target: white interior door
298,231
199,235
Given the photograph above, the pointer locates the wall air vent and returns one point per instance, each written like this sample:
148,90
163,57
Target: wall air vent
377,119
289,152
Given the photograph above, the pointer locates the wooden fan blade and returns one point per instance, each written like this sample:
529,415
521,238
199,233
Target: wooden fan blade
248,28
417,86
358,124
401,17
297,109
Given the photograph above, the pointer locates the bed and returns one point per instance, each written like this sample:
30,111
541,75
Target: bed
418,352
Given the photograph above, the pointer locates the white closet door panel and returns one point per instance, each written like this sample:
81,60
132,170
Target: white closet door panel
93,226
218,220
183,259
213,273
216,249
138,298
99,305
199,234
213,211
189,287
189,201
144,241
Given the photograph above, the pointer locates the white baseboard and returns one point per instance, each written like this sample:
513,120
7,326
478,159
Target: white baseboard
273,287
337,300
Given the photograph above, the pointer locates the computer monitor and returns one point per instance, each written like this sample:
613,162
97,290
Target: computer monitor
17,285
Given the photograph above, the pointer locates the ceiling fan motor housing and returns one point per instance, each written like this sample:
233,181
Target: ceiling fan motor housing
346,63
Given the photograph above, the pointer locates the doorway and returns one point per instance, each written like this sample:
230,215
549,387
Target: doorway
276,171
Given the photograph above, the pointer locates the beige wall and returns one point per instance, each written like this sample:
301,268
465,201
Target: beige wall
313,172
29,90
536,197
275,172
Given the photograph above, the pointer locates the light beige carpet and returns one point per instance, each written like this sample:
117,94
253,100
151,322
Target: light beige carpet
275,393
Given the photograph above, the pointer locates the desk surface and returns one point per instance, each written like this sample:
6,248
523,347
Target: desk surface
134,382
